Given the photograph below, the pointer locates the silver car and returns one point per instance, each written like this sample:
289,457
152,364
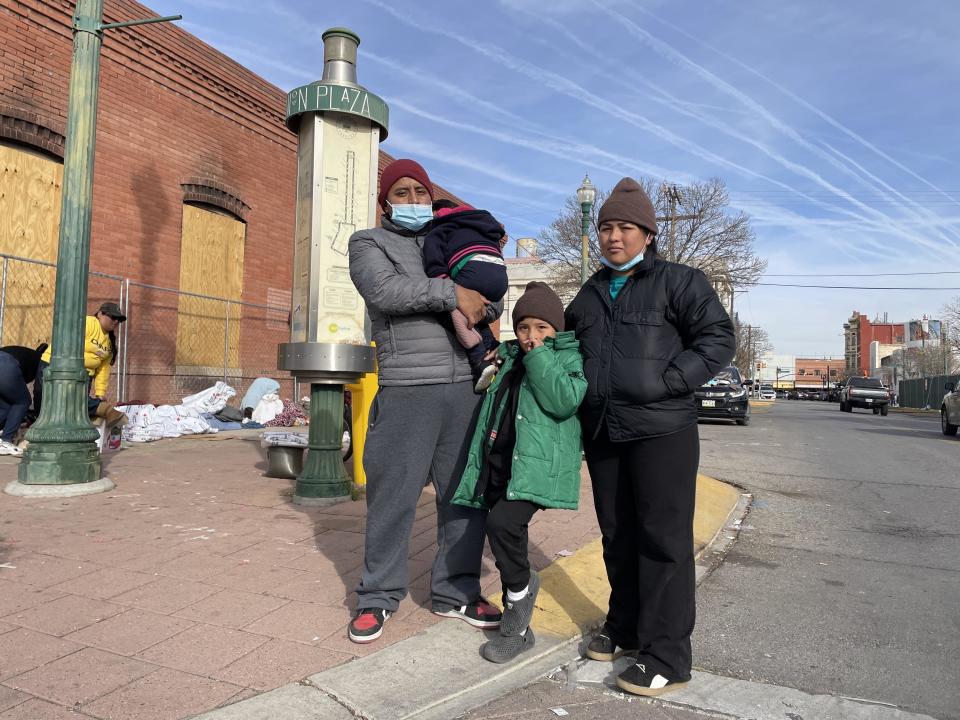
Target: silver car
950,410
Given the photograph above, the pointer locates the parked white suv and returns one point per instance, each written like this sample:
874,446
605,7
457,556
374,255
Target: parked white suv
950,410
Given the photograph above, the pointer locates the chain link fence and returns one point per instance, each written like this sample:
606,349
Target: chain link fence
173,344
178,343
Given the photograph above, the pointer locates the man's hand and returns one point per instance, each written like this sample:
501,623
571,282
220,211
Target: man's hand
472,304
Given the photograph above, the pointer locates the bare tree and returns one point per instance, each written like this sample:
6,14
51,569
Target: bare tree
950,315
753,342
927,361
694,226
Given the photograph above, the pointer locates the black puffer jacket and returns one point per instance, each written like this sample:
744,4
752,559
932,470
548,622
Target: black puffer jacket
645,353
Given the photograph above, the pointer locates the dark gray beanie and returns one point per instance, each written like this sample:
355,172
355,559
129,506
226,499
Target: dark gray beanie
539,301
629,201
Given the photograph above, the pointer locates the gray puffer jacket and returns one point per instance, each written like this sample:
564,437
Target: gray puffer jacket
413,348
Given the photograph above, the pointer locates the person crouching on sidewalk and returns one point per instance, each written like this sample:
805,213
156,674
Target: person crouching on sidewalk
525,452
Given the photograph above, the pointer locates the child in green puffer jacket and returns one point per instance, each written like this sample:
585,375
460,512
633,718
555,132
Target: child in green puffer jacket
525,452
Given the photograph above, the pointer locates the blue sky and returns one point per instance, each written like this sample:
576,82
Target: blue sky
834,125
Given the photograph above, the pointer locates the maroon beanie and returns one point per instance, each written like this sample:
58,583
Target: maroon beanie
539,301
628,201
401,169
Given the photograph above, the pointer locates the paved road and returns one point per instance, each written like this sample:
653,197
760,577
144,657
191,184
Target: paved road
845,579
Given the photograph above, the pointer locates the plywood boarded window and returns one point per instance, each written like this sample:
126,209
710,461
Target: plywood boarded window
30,189
211,263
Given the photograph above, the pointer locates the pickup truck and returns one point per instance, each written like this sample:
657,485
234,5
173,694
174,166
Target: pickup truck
867,393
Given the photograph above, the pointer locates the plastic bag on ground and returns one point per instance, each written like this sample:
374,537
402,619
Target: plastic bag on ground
212,400
267,409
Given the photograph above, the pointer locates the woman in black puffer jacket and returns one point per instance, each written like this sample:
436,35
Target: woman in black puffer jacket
651,332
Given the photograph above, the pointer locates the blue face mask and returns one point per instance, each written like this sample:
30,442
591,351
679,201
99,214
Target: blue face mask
411,217
626,266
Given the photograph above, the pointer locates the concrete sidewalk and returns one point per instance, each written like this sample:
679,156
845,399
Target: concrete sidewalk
197,584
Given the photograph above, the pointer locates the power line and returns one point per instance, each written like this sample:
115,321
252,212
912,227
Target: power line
850,287
903,274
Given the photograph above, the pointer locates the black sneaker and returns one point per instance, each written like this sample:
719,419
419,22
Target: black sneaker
367,626
603,648
479,613
638,680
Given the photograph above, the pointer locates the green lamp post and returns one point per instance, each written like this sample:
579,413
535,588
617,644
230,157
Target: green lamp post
586,194
63,458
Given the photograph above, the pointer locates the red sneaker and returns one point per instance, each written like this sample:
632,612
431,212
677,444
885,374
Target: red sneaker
479,613
367,626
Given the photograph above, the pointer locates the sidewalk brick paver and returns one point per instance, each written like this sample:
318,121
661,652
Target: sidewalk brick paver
302,622
65,615
104,584
232,608
166,595
277,662
43,571
202,649
34,709
130,632
23,649
81,677
196,582
10,697
163,695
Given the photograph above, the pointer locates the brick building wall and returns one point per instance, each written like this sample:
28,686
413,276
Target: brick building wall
859,332
178,122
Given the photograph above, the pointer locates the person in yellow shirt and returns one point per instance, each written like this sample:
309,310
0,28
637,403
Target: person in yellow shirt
99,354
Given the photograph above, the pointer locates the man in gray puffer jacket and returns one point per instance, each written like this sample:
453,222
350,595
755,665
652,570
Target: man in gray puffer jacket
421,417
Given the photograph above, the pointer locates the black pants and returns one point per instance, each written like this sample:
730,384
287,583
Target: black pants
507,524
644,492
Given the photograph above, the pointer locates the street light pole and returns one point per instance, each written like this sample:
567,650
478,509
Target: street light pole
63,450
586,194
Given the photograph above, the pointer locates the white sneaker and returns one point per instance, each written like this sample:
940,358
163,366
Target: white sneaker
8,448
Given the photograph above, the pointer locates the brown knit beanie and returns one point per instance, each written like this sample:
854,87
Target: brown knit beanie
539,301
628,201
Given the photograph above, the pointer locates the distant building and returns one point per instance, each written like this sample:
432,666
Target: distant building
777,370
526,267
819,373
871,346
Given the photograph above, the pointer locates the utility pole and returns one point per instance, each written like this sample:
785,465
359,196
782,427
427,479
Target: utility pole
675,196
63,458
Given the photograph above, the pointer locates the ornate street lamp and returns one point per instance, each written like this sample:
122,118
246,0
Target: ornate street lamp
63,459
586,194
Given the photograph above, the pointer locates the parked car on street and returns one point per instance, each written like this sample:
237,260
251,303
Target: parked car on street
867,393
950,409
767,392
724,397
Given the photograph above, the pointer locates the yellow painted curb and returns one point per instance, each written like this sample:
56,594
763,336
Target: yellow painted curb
574,590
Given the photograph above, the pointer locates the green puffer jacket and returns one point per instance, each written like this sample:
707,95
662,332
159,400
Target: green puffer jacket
546,457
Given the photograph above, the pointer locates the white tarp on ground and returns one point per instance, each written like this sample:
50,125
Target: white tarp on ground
146,423
212,400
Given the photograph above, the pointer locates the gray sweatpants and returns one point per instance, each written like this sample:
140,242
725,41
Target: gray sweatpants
419,433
